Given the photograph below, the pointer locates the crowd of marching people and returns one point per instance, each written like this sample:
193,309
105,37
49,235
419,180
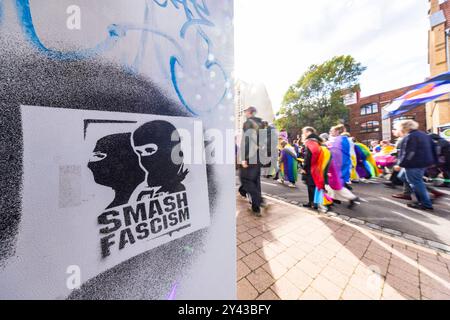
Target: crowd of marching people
330,163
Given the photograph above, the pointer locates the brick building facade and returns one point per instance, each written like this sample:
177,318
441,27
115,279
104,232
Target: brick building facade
366,116
438,112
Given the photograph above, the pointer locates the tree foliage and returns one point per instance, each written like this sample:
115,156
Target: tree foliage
317,98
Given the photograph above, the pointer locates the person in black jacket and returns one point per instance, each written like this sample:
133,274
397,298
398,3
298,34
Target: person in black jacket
417,153
443,154
268,151
309,133
250,173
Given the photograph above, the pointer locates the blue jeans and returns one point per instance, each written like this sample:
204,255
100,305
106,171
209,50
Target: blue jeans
414,177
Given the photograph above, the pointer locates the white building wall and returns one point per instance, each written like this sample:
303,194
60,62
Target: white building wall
255,95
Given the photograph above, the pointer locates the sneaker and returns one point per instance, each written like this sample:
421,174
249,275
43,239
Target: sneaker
353,203
249,198
265,205
293,186
281,181
307,205
242,192
323,209
402,196
437,194
256,211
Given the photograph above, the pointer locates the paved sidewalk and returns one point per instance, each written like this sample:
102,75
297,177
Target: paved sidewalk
291,253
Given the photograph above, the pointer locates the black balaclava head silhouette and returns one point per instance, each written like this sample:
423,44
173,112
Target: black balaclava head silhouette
154,142
115,164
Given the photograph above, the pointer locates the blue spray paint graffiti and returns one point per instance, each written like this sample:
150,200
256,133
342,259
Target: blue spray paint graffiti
201,10
196,15
1,11
24,13
210,61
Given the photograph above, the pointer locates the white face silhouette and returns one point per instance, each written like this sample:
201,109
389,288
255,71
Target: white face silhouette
146,150
97,156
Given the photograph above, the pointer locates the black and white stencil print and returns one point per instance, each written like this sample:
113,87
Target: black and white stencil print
41,235
114,164
125,197
150,199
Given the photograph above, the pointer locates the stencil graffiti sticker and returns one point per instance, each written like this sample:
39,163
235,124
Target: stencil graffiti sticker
150,199
99,189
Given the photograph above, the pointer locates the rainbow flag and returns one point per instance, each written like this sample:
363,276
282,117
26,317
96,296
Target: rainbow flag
366,167
320,164
342,160
423,93
289,165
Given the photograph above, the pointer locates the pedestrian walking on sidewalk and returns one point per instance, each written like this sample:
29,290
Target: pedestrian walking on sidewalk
417,153
250,172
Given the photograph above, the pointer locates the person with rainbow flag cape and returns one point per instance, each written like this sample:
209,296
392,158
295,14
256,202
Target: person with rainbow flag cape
317,159
288,164
354,159
366,165
341,166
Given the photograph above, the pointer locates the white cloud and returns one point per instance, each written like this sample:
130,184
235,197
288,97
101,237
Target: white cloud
277,40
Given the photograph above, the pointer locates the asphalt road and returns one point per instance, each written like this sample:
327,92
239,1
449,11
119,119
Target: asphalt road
378,207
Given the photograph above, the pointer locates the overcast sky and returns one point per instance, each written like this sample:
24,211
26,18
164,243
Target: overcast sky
277,40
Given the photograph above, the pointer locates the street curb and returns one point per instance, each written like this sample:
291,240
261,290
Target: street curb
422,242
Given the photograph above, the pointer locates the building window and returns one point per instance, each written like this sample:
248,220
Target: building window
395,121
370,108
371,126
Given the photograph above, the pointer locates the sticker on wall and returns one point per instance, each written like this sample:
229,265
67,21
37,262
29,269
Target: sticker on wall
100,188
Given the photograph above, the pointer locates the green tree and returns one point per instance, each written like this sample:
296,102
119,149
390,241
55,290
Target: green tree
317,98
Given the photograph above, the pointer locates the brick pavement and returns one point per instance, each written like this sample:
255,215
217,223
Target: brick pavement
291,253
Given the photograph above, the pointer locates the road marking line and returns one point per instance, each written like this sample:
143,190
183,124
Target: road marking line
270,184
431,216
404,206
412,219
444,191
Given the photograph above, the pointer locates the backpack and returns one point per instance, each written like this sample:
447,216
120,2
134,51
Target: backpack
442,148
256,125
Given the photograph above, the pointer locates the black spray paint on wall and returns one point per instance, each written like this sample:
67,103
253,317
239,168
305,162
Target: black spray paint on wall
29,78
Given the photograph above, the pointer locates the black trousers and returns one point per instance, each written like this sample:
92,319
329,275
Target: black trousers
251,184
395,180
311,193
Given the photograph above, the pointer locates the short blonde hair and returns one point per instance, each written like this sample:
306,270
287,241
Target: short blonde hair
310,130
407,126
339,128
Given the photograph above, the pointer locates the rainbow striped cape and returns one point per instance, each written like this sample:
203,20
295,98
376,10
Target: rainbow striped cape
341,172
320,164
366,166
289,164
